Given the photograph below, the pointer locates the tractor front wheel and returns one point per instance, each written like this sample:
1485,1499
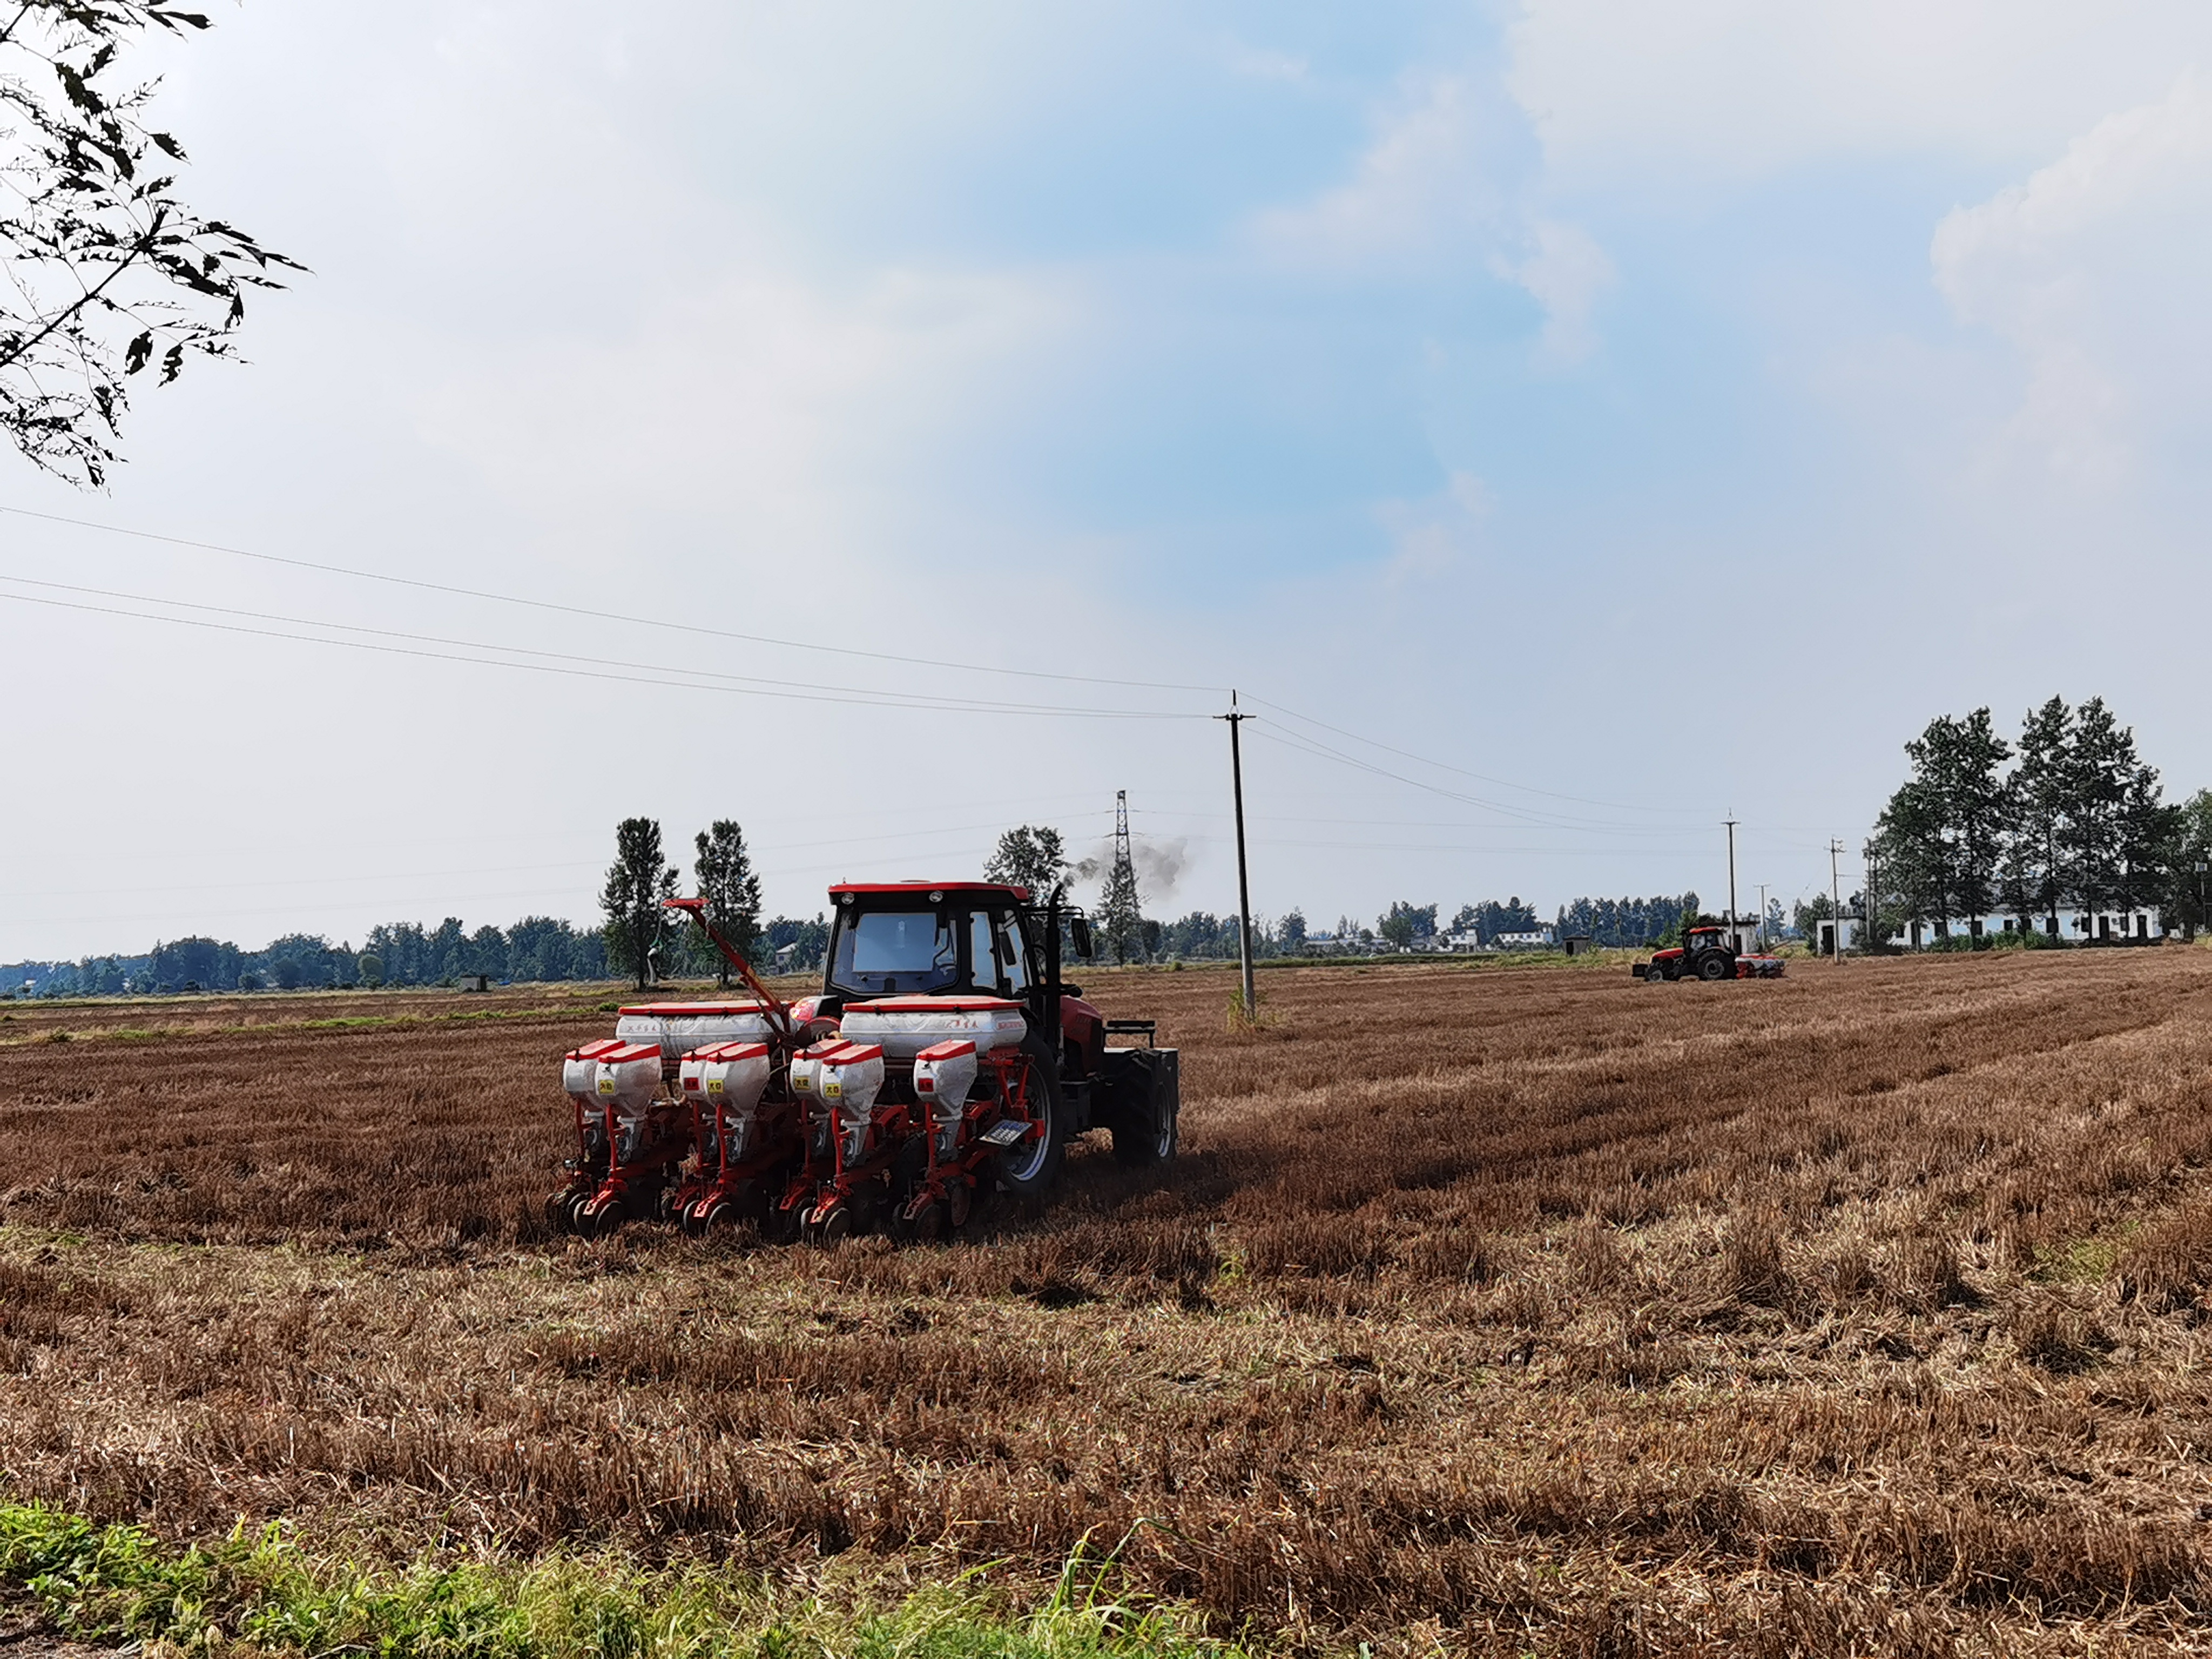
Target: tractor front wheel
1032,1164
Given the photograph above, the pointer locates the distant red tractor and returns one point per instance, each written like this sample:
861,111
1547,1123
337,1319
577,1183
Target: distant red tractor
1706,953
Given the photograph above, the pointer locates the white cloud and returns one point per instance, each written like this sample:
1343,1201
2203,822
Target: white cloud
1675,96
1433,191
1433,535
1420,188
751,399
1261,64
1566,271
2095,269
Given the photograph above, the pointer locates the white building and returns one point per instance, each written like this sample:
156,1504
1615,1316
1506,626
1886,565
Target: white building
2108,925
1539,938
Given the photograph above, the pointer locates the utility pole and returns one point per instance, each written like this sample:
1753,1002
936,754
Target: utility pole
1870,902
1762,915
1243,883
1731,824
1836,898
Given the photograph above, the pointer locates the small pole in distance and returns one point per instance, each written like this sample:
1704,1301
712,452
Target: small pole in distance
1243,884
1836,898
1732,940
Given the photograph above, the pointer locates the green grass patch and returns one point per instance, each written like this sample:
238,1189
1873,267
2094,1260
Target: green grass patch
118,1584
2081,1262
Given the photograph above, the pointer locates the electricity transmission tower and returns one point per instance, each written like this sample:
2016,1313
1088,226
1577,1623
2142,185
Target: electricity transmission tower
1119,905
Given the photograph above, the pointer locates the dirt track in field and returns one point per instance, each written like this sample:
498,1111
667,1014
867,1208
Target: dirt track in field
1536,1309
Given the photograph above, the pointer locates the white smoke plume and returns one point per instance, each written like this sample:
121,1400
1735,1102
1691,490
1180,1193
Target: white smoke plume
1159,860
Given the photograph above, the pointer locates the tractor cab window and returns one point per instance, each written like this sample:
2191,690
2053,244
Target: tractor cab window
888,952
982,972
1016,954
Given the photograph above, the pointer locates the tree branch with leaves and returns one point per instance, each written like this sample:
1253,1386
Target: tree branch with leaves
104,270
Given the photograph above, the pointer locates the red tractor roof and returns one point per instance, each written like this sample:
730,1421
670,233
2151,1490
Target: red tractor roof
1019,894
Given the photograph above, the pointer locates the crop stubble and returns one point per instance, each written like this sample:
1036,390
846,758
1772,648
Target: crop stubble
1858,1312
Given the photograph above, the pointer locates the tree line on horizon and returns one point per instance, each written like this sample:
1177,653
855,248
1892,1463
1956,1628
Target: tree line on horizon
2079,819
2070,816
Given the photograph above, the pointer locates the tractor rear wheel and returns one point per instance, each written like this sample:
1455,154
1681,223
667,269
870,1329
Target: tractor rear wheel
1032,1164
1716,966
1145,1138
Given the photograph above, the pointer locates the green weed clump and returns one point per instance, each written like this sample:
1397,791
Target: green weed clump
117,1584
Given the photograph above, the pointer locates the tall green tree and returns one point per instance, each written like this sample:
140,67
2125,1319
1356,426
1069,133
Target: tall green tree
1404,922
731,888
110,271
637,881
2042,790
1121,913
2119,828
1031,855
1942,834
2188,881
2097,785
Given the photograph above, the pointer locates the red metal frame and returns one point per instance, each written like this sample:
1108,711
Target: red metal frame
890,1122
776,1127
661,1143
952,1181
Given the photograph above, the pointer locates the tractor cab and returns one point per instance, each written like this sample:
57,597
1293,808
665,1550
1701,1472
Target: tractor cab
908,939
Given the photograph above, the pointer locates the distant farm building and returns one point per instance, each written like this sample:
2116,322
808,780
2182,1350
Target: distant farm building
1527,939
2113,926
2143,924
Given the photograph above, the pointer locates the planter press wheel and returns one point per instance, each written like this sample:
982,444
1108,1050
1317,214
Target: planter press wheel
925,1226
597,1218
561,1211
833,1228
782,1226
1032,1164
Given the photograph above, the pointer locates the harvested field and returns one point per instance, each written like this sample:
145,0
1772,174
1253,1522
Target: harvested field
1514,1311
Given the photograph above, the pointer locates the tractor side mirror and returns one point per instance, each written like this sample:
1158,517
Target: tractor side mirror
1078,928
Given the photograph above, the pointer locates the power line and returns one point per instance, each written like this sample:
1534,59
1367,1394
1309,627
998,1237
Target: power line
1443,766
480,870
598,615
1307,745
870,700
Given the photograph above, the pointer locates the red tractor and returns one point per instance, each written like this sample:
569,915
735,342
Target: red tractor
1706,953
943,1061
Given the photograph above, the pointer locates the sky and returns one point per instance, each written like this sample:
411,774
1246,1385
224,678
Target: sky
1566,426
